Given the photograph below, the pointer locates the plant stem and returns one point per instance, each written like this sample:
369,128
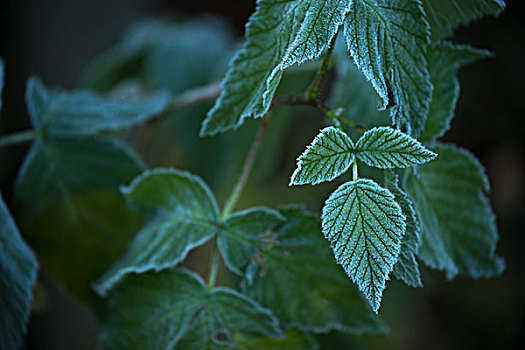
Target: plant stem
333,114
194,96
247,167
18,137
214,265
354,170
235,195
313,90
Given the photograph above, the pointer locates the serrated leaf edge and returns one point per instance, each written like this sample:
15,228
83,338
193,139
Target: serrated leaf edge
358,149
317,138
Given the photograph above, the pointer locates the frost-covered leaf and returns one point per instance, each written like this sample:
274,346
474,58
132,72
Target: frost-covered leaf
458,229
81,112
365,226
70,210
388,41
18,269
182,215
174,309
173,54
2,67
295,275
444,60
242,233
329,156
353,93
406,268
279,34
445,15
387,148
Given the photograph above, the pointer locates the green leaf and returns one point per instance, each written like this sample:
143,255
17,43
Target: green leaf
365,226
242,233
458,227
182,215
69,207
296,277
406,268
387,148
279,34
445,15
353,93
329,156
2,68
177,55
444,61
18,269
174,309
388,41
81,112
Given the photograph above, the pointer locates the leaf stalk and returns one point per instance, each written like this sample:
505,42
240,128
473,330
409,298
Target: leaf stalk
245,173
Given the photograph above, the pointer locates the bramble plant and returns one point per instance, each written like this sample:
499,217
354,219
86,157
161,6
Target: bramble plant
82,192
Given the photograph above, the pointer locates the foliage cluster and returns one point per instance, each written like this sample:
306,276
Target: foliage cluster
393,95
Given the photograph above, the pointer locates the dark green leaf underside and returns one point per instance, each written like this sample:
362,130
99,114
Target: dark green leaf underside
458,228
66,195
295,276
174,309
445,15
407,267
444,60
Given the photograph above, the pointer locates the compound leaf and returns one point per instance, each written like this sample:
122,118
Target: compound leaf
66,195
444,60
388,41
445,15
174,309
182,215
406,268
365,226
18,269
296,277
458,229
384,147
242,233
279,34
329,156
81,112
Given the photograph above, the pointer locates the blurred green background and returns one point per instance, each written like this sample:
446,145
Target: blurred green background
57,40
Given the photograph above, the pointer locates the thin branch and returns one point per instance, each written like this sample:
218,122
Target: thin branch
195,96
312,91
214,265
245,173
333,114
235,195
18,138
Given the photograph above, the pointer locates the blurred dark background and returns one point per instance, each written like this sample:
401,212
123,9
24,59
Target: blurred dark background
55,39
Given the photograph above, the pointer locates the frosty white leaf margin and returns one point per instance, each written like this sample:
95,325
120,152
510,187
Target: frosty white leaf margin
332,152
